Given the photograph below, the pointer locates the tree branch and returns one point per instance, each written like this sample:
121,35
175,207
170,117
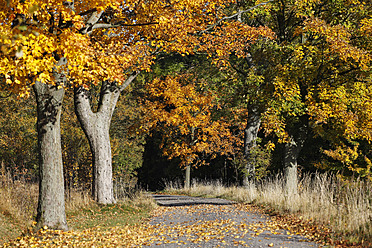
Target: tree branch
129,80
93,19
238,15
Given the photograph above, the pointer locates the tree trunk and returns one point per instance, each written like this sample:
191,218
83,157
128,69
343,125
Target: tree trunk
188,177
250,137
96,127
188,167
291,152
51,205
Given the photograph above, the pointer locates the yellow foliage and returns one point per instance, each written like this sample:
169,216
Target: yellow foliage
185,117
124,37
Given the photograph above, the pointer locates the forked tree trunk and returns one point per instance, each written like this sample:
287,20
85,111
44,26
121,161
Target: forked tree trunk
291,152
96,127
51,205
250,138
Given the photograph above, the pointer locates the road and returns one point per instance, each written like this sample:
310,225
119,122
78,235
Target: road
184,221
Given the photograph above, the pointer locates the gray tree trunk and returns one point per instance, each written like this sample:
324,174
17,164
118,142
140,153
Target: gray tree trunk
188,167
250,138
291,152
188,176
96,127
51,205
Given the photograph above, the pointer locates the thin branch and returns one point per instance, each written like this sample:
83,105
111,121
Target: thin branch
121,24
4,97
129,80
90,28
238,15
109,25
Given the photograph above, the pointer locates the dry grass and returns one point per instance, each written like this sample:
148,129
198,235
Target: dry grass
18,202
18,206
214,189
18,199
346,207
77,200
141,199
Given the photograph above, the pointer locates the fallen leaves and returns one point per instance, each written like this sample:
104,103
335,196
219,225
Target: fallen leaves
223,225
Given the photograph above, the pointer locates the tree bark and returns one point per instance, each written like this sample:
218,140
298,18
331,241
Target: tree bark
188,167
51,205
96,127
291,151
250,137
188,176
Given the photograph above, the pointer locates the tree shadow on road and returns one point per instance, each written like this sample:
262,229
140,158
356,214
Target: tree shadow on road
178,200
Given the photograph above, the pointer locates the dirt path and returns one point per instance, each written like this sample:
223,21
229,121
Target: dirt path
197,222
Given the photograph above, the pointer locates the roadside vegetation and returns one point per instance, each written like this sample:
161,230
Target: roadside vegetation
326,200
18,204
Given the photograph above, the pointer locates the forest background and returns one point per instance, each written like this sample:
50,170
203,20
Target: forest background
294,99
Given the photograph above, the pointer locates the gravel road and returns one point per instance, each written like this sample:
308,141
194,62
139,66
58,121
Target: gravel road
184,221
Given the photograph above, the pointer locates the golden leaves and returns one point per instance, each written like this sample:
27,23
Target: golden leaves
366,26
136,30
338,38
185,116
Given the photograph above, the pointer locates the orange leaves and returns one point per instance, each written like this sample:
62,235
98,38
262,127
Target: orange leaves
117,37
232,38
184,114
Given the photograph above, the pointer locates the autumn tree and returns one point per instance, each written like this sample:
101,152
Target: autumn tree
76,156
52,46
319,60
148,29
183,114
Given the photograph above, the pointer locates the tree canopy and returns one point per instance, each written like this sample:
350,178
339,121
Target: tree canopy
104,40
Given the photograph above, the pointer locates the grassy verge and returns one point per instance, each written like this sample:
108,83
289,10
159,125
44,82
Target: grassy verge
130,211
18,204
343,207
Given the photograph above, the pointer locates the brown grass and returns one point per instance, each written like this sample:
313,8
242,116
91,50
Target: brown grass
18,206
18,202
344,206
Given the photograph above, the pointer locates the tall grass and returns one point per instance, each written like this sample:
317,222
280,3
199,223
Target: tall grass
344,206
18,199
18,204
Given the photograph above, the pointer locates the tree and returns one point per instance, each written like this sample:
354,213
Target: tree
52,46
96,127
320,48
155,27
320,57
184,116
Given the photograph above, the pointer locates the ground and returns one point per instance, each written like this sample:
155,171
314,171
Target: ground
198,222
179,221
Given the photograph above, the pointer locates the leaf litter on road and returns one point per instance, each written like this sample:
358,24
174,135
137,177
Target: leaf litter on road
187,226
